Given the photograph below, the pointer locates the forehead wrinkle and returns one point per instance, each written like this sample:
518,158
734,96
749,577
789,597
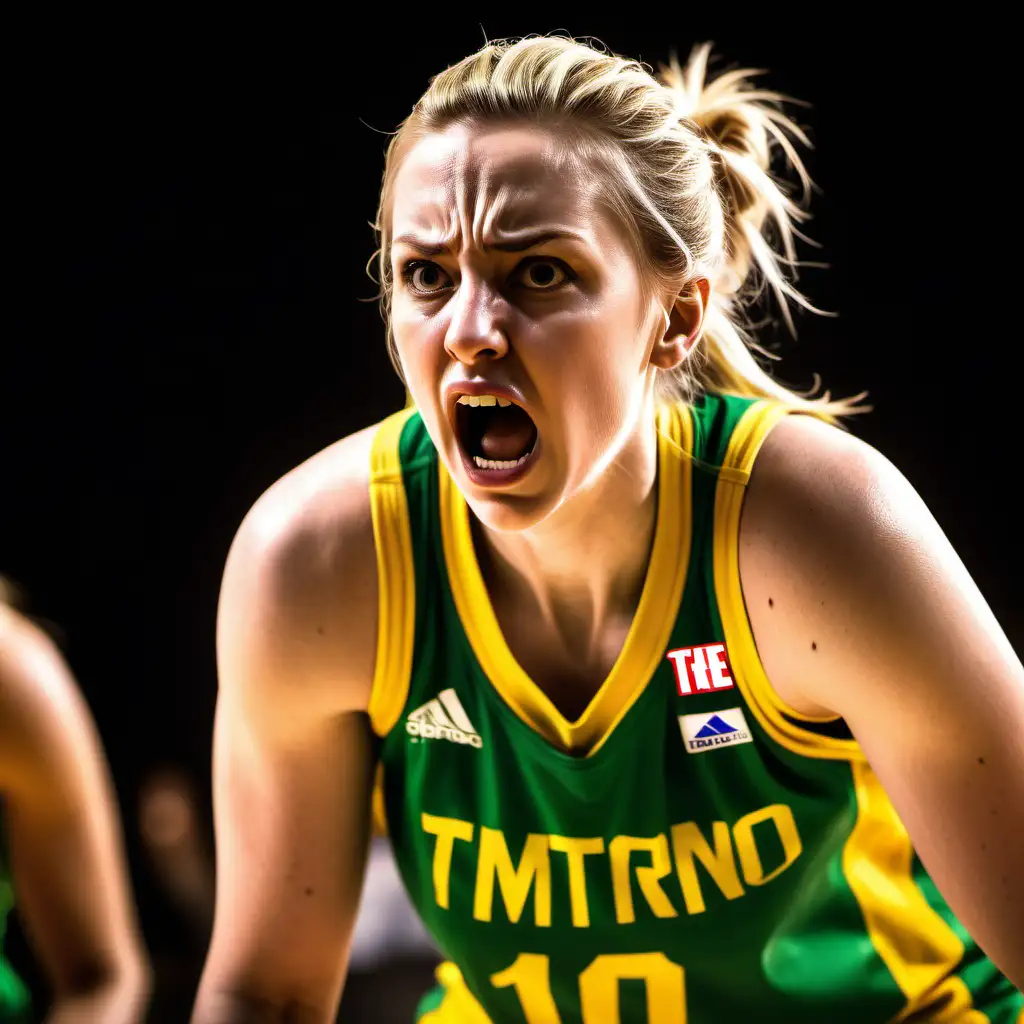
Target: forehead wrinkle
460,211
486,193
487,184
504,197
427,199
483,200
436,215
473,197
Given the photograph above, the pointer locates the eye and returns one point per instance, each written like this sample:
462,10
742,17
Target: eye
543,274
425,277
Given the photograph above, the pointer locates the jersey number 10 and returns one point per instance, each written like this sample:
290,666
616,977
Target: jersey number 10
529,974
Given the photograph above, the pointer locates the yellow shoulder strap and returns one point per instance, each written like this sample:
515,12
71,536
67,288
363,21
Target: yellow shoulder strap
395,576
775,717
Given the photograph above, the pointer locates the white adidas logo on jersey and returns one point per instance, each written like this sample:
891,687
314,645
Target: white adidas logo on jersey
443,718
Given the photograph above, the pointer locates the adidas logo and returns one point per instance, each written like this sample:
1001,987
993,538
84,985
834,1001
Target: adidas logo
443,718
709,731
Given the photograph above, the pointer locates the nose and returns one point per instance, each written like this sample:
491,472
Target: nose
477,329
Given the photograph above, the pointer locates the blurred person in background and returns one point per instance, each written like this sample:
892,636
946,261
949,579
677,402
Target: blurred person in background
178,851
178,854
393,958
62,861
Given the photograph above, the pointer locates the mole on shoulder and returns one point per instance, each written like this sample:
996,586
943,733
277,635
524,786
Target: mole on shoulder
814,646
309,890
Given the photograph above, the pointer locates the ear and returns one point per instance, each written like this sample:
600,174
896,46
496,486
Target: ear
685,321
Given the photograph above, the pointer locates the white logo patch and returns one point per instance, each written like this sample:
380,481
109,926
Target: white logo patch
714,729
443,718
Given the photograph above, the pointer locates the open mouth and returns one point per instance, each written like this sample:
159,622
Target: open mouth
496,434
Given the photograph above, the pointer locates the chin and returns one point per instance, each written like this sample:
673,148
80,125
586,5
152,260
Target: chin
510,513
509,509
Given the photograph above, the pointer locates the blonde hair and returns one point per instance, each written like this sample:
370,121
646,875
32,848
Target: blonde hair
686,163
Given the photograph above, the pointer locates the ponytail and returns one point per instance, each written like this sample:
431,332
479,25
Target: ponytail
741,125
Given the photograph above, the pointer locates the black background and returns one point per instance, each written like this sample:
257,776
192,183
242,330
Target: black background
189,231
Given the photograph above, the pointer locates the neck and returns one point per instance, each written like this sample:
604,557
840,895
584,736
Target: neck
587,562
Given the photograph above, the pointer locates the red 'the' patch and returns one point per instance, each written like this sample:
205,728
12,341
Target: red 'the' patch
701,669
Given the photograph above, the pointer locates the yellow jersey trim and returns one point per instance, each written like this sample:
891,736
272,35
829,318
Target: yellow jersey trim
459,1005
913,941
378,811
396,583
652,624
917,946
773,714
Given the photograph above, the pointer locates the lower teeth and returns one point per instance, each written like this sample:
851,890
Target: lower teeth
504,464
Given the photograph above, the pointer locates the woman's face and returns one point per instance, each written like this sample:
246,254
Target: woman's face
519,318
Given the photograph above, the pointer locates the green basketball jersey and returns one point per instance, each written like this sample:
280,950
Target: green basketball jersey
14,998
688,850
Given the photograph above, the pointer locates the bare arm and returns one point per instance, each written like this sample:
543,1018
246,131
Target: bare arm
293,757
876,619
67,859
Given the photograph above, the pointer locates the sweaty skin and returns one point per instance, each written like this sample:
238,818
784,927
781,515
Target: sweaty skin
64,836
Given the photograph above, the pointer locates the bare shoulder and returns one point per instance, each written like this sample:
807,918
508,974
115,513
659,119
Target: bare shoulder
831,532
23,645
293,755
42,711
297,620
33,674
813,486
812,469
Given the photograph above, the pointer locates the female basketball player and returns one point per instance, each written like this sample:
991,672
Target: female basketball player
62,855
685,708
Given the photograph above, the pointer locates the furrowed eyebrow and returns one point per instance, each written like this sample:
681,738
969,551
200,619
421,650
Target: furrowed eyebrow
427,248
531,241
517,245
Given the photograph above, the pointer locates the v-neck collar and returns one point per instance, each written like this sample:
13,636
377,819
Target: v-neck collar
649,632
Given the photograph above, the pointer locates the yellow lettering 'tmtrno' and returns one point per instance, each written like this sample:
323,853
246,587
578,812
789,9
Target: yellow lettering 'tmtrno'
619,850
447,831
575,850
688,845
743,834
514,883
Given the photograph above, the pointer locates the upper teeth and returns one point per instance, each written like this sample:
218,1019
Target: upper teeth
483,400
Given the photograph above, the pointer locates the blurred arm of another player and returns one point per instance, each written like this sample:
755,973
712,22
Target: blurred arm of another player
293,753
66,848
876,619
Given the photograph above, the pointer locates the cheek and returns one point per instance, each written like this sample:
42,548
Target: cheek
603,379
600,401
419,340
607,357
597,385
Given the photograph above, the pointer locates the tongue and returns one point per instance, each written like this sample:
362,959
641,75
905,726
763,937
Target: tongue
509,434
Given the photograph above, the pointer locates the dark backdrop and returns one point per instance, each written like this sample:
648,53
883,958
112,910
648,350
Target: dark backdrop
190,230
